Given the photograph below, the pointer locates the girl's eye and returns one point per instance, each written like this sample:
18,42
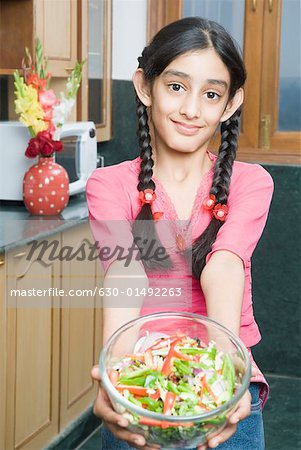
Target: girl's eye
175,87
212,95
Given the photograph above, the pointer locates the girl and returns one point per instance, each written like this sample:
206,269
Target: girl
188,84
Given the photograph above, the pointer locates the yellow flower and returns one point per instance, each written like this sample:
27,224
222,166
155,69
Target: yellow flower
28,106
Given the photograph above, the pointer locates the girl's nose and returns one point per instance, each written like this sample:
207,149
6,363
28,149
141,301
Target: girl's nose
190,106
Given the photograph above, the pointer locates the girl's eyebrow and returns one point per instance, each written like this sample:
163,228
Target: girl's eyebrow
187,77
176,73
219,82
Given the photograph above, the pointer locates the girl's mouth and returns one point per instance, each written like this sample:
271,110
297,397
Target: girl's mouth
186,129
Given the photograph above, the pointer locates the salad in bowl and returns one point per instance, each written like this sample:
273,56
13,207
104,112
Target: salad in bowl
175,377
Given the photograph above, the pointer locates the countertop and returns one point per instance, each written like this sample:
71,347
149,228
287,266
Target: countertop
18,227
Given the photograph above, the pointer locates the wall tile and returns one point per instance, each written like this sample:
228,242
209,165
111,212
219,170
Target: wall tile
276,277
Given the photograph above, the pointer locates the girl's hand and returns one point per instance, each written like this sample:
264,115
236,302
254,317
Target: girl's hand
242,410
115,422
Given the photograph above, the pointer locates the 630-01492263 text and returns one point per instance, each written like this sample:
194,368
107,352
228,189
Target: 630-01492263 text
101,291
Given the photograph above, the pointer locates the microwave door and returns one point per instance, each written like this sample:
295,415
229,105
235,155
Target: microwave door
70,159
80,184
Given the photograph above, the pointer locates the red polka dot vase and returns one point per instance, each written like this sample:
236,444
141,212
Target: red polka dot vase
46,188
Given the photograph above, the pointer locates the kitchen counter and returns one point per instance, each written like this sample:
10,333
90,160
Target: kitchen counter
18,227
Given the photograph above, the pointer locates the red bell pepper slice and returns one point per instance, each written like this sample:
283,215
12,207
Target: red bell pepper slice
136,390
155,395
168,362
159,344
165,342
183,356
162,423
170,399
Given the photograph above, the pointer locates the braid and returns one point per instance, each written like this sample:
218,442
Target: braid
144,233
147,163
220,188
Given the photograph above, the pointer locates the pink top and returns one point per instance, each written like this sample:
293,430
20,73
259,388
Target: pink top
112,196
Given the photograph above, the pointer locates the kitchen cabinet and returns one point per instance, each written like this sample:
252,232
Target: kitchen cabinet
48,343
80,328
33,350
95,46
70,31
53,21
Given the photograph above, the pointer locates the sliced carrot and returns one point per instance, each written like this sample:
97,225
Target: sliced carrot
209,389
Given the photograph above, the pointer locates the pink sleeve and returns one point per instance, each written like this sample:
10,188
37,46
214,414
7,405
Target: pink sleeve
249,201
109,210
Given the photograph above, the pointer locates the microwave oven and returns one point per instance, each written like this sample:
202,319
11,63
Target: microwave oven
78,157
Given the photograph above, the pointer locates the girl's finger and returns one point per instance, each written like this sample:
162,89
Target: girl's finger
222,437
103,409
95,373
134,440
242,411
254,371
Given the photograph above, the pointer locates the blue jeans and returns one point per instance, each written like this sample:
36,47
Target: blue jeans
249,434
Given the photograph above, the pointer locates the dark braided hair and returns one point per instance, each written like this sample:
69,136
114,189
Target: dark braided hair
175,39
144,230
220,188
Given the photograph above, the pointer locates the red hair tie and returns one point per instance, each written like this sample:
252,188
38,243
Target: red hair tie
148,197
209,202
219,211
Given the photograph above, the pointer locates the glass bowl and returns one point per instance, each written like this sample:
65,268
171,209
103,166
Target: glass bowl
173,432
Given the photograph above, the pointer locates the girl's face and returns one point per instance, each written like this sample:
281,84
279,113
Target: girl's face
188,100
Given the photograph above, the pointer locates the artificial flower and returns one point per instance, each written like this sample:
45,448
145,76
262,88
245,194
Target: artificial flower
157,215
33,148
209,202
62,110
43,144
35,81
147,196
47,99
220,212
38,106
29,108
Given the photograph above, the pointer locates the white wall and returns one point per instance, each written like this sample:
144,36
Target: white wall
129,36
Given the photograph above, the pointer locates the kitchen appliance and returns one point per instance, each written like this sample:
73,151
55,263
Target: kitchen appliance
79,156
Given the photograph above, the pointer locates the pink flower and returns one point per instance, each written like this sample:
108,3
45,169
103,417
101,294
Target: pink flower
47,99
